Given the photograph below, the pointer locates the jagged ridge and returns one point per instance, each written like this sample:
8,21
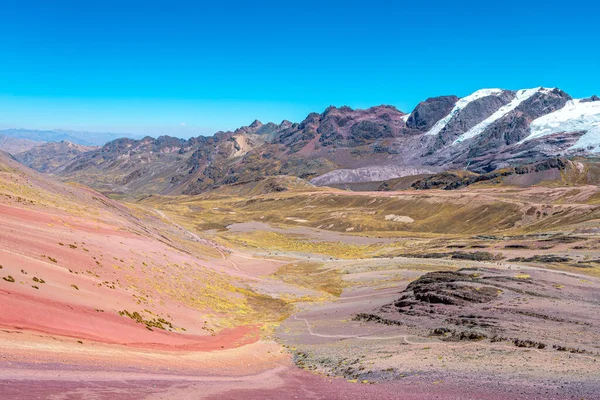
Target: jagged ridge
487,130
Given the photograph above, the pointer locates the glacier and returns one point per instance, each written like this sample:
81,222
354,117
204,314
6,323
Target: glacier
478,129
461,104
577,115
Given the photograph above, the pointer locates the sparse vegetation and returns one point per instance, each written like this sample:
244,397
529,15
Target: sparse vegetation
364,317
450,316
313,276
529,344
541,259
522,276
158,323
570,349
453,335
457,255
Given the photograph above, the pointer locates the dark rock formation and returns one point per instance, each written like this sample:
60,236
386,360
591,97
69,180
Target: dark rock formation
430,111
457,180
450,288
591,99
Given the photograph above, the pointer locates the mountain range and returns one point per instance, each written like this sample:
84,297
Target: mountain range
16,145
58,135
485,131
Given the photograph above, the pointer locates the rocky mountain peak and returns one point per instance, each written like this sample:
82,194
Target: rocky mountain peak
256,124
336,110
285,124
430,111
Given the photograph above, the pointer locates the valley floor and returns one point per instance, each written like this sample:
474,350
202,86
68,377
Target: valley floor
201,298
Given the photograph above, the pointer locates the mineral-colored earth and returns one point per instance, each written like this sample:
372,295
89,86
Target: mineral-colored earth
247,292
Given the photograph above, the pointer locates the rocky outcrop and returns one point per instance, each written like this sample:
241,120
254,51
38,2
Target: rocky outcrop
445,287
458,180
591,99
430,111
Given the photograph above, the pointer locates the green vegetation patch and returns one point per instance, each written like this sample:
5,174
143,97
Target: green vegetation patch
278,241
312,276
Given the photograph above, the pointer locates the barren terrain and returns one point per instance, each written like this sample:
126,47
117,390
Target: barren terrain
316,293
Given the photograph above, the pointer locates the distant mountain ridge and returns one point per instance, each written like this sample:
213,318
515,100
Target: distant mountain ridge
16,145
48,157
59,135
487,130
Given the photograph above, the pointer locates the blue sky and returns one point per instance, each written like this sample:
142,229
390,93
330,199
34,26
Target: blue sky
188,68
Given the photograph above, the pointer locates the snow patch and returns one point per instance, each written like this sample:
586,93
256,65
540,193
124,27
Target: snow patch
405,117
461,104
296,219
590,141
573,117
478,129
399,218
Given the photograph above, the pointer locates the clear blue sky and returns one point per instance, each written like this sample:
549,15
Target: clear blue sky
187,68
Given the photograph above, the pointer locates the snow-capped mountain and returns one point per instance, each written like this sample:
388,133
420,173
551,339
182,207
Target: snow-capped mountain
489,129
493,128
520,97
579,115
